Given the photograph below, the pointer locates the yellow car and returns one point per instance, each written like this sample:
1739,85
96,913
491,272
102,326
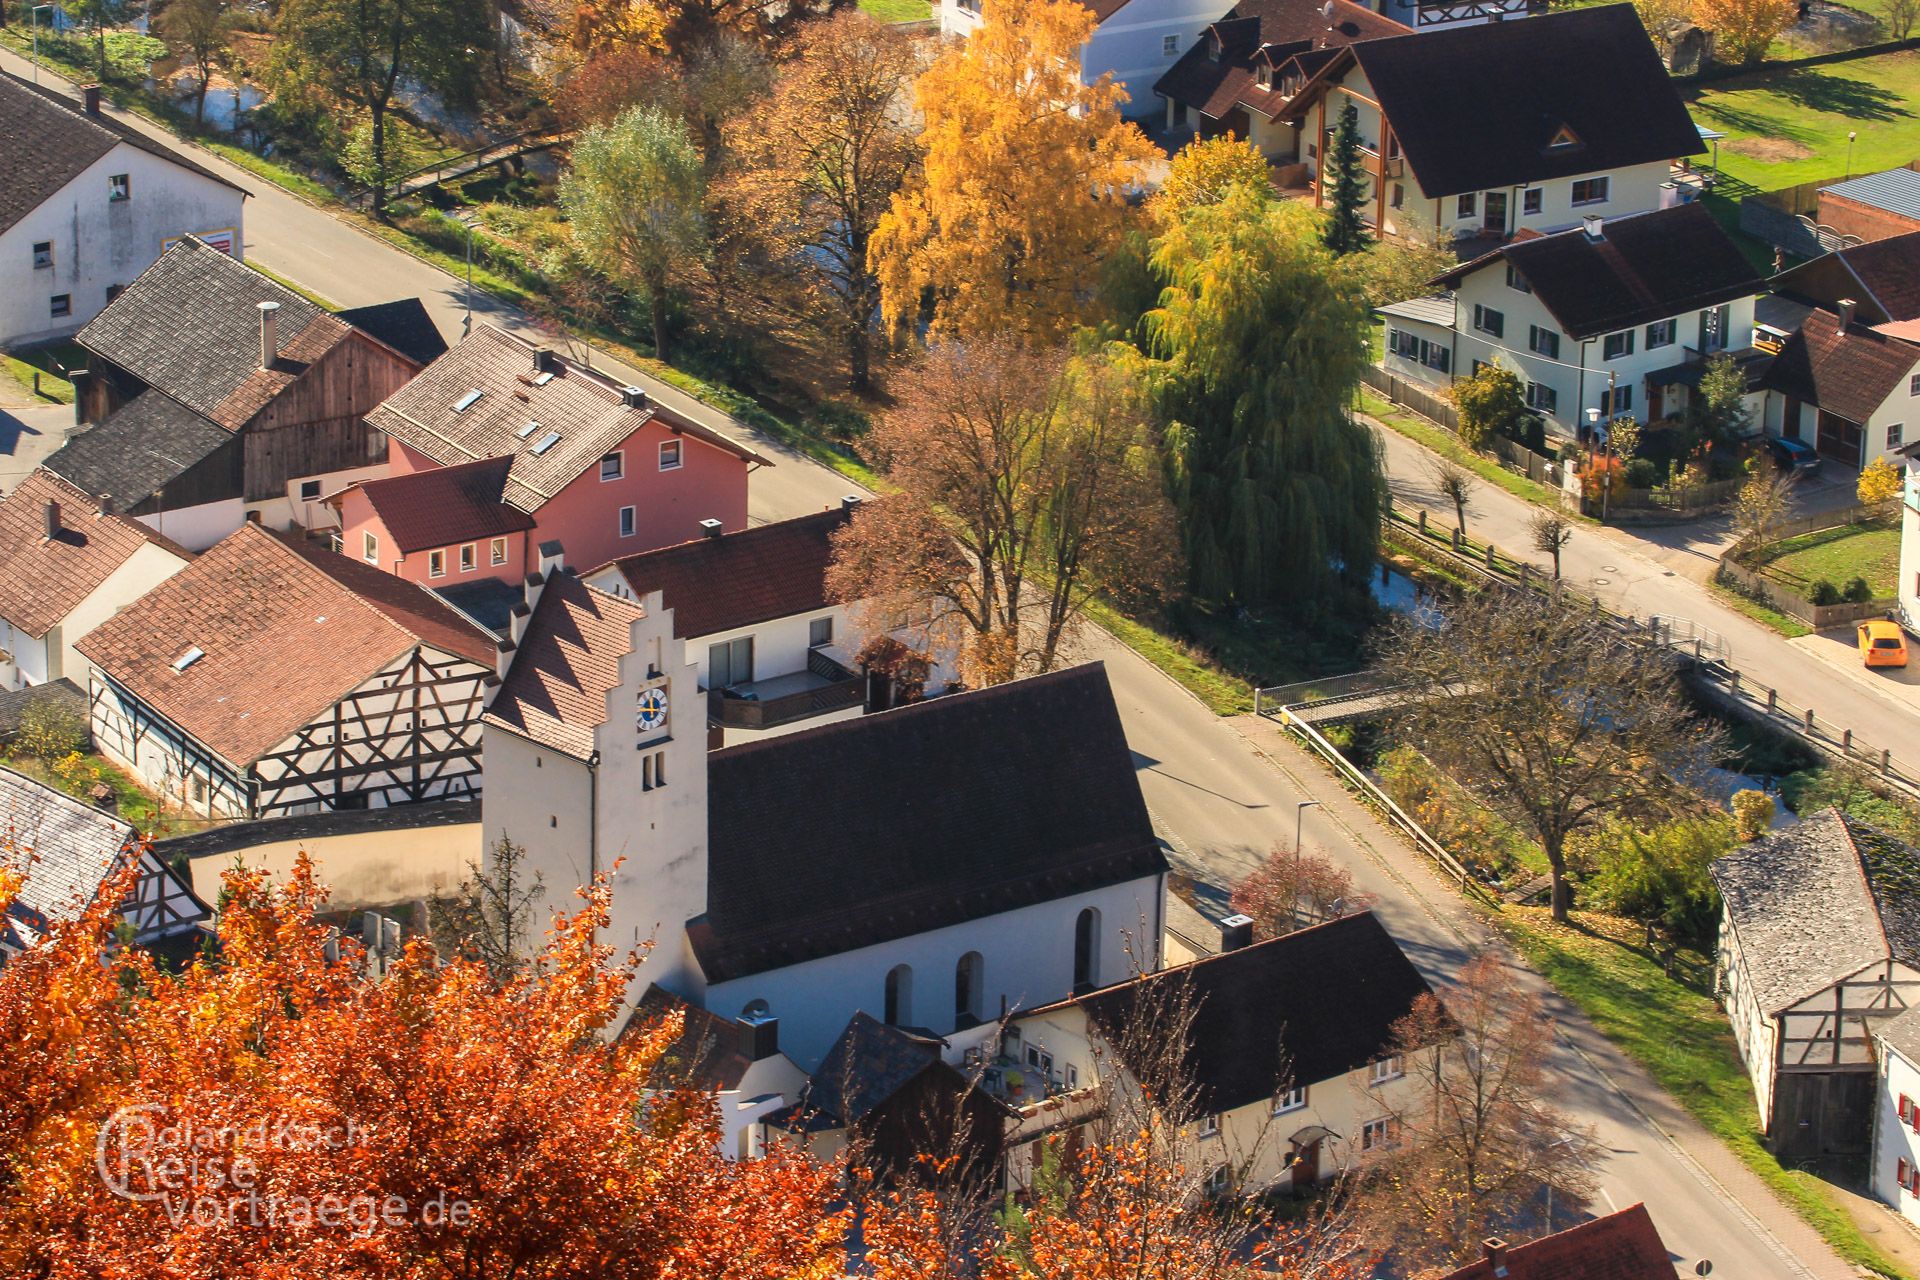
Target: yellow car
1882,644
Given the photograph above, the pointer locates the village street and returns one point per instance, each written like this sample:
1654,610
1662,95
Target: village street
1223,792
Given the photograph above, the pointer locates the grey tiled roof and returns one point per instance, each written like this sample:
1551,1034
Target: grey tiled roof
47,140
1818,901
1903,1033
151,442
68,847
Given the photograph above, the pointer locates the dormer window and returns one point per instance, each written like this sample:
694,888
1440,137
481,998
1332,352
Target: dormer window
1213,46
1264,76
1563,137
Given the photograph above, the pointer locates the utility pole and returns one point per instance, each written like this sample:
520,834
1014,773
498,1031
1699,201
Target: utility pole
1299,814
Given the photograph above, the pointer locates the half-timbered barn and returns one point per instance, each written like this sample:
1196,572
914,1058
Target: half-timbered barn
274,677
1819,946
256,396
66,850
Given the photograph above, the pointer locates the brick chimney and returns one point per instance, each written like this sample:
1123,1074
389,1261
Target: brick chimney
1846,306
53,520
269,333
90,99
1496,1251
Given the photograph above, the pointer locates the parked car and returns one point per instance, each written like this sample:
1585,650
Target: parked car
1882,644
1795,456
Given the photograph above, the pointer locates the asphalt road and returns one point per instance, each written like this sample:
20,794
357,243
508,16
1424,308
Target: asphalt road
1219,803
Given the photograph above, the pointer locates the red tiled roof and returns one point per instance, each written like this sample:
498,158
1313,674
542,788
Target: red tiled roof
567,662
44,579
1620,1246
446,505
1273,31
737,579
286,629
1850,373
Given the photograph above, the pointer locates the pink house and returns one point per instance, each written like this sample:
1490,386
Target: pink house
501,445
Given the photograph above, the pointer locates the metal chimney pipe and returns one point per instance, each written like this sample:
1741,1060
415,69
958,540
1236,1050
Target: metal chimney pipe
269,333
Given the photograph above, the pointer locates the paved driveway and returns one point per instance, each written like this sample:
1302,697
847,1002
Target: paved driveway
27,436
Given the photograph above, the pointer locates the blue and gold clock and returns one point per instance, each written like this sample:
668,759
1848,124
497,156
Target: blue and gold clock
650,714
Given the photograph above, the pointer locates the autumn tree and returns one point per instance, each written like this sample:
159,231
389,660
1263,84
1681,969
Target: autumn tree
1205,170
1550,533
362,51
1662,18
1397,269
1552,717
1760,503
633,196
1292,888
492,913
1255,352
1022,191
1477,1137
1490,403
1718,409
1045,467
1345,182
198,31
1901,16
1455,484
1744,29
826,150
1879,482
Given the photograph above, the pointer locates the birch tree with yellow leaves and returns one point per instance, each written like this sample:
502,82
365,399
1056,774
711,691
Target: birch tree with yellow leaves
1021,194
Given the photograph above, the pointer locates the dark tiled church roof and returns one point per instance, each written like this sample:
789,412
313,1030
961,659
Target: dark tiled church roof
965,806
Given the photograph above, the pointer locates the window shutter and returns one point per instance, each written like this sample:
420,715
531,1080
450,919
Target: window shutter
1913,1180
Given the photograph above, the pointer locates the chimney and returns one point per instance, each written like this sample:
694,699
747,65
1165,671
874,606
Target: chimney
502,659
710,528
1591,225
1236,932
1496,1250
633,397
517,622
849,502
106,504
490,686
269,333
53,520
761,1036
90,99
1846,306
545,361
552,559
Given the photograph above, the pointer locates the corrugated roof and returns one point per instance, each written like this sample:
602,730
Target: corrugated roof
1896,191
1436,310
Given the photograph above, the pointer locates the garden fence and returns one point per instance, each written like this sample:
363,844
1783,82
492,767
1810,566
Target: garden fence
1439,411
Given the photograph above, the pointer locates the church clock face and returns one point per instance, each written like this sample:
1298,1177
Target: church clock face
650,713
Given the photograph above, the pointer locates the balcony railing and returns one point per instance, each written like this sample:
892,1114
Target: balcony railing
761,704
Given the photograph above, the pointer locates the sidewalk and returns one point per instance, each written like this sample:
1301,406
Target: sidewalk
1796,1248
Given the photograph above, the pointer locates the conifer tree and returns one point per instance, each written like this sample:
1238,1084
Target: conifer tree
1346,185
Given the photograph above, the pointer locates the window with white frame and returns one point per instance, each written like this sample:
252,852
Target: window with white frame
309,491
1376,1135
669,455
1542,397
820,632
1590,191
1545,342
469,557
626,522
613,466
436,564
1290,1100
1391,1067
1489,321
119,187
497,551
1913,385
42,254
1618,402
1467,204
1169,46
1210,1124
369,548
60,304
1895,431
1219,1181
1616,345
1660,334
1530,200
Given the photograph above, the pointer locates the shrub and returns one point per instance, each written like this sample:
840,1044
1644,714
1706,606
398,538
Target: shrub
50,730
1857,591
1752,814
1823,592
1657,874
1811,790
1642,473
1723,467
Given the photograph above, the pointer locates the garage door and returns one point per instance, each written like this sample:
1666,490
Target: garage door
1840,440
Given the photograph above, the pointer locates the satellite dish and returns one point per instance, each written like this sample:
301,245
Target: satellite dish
1704,1267
1326,10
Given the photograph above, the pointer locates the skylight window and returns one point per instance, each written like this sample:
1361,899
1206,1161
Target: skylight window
527,430
541,380
468,400
193,654
545,443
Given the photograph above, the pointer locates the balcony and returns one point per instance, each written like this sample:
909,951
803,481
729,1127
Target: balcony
761,704
1389,167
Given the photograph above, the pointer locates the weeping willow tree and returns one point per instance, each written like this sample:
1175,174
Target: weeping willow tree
1256,351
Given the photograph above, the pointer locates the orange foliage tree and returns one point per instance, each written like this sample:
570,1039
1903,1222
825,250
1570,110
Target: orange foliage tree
1743,29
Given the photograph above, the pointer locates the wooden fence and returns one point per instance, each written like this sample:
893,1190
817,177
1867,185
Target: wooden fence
1787,593
1411,395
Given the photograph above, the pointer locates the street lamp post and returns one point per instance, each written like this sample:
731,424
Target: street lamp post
1299,817
34,22
466,325
1850,137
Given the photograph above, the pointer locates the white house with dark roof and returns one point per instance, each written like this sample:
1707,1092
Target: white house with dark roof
1819,947
273,677
932,865
1894,1169
67,849
87,205
68,564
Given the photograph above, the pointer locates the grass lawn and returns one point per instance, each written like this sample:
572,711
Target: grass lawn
1672,1027
77,775
897,10
1790,126
1870,551
1446,444
53,388
1767,616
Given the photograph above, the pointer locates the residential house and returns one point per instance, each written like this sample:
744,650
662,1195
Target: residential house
1849,389
67,564
1908,588
66,850
1894,1170
1241,73
931,865
573,457
771,646
737,1060
88,204
1490,130
1882,279
273,677
247,400
1609,318
1819,947
1290,1052
1620,1246
1874,206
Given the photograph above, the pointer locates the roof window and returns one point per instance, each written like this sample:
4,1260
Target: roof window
193,654
545,443
468,400
527,430
542,379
